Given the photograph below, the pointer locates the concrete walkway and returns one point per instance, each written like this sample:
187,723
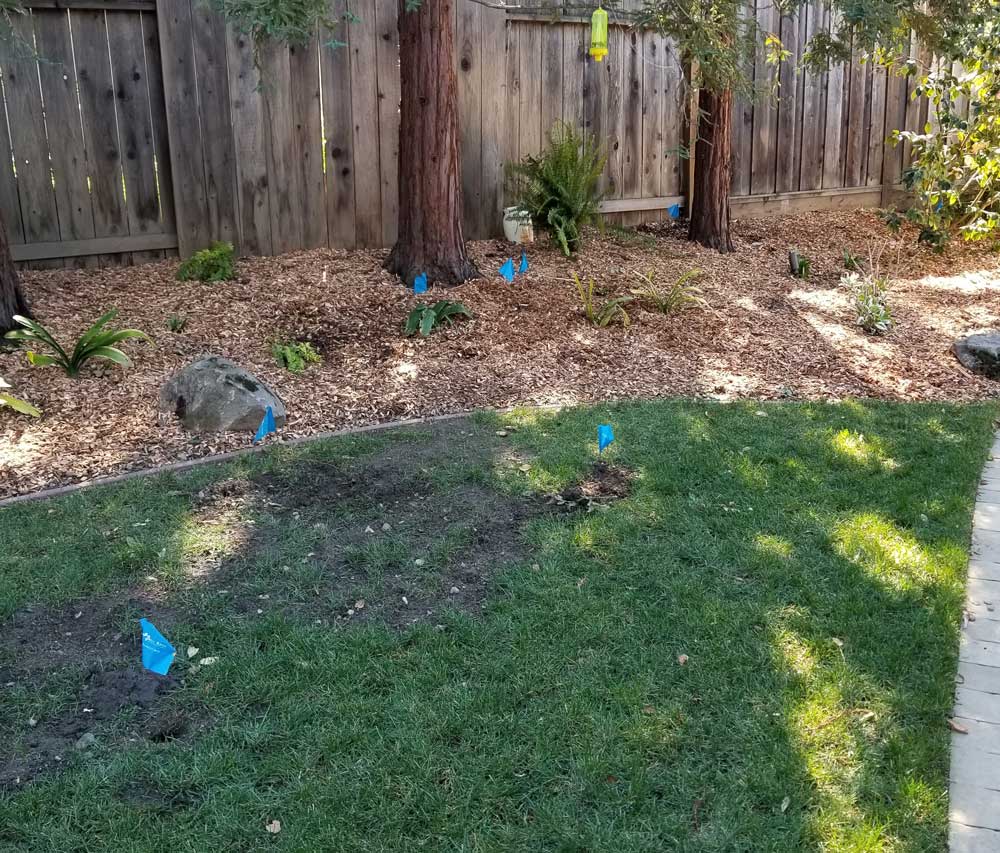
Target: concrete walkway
975,757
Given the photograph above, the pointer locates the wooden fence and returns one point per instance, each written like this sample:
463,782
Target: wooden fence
139,128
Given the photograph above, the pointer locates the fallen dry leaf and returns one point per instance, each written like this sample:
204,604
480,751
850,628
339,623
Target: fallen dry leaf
957,727
682,659
274,827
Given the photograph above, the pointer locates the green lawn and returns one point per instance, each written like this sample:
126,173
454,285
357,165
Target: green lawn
808,559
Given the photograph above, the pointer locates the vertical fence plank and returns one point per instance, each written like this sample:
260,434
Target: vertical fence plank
10,205
495,114
673,167
530,57
813,111
283,166
387,68
307,139
574,66
135,129
552,76
895,119
615,120
654,105
833,151
512,134
742,121
250,136
39,215
97,103
857,116
180,89
789,128
876,134
469,59
364,110
765,111
632,136
158,111
338,123
68,154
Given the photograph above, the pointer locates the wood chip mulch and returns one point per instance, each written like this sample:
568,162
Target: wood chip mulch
764,335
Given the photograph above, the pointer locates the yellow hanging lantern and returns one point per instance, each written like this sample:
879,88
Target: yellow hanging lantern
599,34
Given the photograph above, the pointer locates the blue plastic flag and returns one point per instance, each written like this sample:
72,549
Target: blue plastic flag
507,270
420,283
267,426
605,435
521,270
157,653
674,210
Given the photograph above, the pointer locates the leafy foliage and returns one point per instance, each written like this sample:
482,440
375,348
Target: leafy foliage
96,342
680,295
176,323
216,263
425,318
292,22
870,302
295,356
852,263
600,313
16,403
559,188
800,265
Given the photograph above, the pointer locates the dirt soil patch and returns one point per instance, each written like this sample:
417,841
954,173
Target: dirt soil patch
764,334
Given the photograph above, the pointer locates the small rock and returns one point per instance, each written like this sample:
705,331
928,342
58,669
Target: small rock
369,529
502,433
208,661
454,590
85,740
980,353
386,527
32,722
192,651
420,561
682,659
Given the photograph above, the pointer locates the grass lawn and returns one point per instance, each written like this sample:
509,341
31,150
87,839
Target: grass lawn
415,651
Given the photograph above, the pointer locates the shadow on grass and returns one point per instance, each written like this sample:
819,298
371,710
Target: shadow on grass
806,559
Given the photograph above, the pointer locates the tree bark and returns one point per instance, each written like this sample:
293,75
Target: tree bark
12,300
430,181
713,171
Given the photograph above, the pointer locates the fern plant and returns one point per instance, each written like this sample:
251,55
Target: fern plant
216,263
601,313
16,403
681,294
295,356
96,342
425,318
559,187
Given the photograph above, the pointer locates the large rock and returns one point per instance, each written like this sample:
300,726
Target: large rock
980,353
214,395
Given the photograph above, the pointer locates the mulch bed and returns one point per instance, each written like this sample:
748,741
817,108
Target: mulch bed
764,334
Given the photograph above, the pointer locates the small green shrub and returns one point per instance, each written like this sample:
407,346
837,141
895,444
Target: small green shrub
214,264
425,318
16,403
852,263
559,188
295,356
799,265
96,342
176,323
604,313
680,295
870,303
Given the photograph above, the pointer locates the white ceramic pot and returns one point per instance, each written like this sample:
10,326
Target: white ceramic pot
517,227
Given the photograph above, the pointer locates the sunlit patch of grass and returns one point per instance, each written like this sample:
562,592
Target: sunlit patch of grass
885,552
774,547
864,450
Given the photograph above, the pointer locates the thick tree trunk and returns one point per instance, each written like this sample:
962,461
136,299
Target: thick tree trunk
430,182
713,171
12,300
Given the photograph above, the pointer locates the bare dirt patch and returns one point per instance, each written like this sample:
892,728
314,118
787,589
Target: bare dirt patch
764,334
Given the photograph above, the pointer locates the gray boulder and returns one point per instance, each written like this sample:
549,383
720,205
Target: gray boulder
980,353
214,395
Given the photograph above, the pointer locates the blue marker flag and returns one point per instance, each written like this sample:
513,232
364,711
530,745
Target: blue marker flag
267,426
521,270
420,283
674,210
507,270
157,653
605,435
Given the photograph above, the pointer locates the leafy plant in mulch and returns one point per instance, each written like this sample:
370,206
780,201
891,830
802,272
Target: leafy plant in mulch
601,313
799,265
176,323
870,300
96,342
16,403
680,295
295,356
559,187
426,318
852,263
216,263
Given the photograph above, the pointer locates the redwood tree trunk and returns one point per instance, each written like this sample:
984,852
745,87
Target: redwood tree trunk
11,298
713,171
430,181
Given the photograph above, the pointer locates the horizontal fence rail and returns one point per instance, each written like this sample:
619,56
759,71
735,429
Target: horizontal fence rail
137,129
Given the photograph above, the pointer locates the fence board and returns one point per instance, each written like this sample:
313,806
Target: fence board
654,104
813,114
552,76
68,156
789,126
633,133
10,206
307,142
285,175
857,114
469,59
338,124
833,151
512,89
388,93
158,110
672,164
765,111
364,110
494,117
574,68
530,76
877,131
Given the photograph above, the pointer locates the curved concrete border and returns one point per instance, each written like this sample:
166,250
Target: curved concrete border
974,817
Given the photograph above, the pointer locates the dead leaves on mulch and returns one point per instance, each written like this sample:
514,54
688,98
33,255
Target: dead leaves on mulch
764,334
